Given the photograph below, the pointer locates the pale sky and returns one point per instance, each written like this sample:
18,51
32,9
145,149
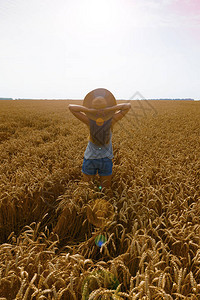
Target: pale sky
62,49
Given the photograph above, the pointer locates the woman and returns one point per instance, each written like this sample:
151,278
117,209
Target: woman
100,113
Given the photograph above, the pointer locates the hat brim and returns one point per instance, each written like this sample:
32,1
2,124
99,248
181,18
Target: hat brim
110,101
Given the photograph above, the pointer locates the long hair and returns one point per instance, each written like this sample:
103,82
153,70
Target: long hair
100,134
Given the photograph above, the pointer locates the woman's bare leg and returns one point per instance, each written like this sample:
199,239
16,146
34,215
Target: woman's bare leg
106,184
88,178
106,181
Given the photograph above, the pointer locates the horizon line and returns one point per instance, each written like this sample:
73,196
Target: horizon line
72,99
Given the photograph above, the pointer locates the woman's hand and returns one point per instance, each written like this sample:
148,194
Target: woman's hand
104,111
96,112
121,106
92,110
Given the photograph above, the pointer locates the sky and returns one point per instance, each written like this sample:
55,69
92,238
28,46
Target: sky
63,49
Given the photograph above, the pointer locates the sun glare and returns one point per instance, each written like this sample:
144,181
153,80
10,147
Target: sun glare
101,14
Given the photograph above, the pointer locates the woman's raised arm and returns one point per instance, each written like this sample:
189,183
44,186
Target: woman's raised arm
77,108
121,106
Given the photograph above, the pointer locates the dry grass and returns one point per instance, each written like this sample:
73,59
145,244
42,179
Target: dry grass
152,248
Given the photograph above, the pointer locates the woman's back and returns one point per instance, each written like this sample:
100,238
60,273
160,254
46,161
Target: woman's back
100,135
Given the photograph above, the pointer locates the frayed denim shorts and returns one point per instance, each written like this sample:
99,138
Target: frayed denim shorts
102,165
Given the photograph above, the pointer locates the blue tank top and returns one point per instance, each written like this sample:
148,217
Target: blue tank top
94,151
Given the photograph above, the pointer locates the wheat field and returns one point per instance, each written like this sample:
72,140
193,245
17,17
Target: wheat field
150,224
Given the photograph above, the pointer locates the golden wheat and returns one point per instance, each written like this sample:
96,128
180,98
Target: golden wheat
49,219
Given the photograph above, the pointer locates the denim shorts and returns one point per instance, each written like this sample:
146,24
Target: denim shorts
103,165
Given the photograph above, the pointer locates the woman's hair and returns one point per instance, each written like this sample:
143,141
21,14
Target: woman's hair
100,134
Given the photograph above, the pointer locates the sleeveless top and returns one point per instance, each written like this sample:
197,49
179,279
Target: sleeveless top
100,143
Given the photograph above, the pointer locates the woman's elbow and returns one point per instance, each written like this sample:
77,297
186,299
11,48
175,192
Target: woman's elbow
70,107
129,106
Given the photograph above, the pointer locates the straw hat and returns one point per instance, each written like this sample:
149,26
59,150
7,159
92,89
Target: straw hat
99,99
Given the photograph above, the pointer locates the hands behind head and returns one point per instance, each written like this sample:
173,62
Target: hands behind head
102,111
97,112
